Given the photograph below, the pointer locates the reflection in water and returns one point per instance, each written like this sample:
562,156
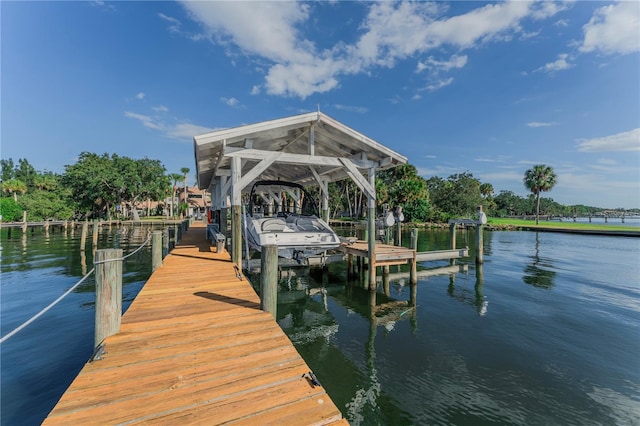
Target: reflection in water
540,272
479,300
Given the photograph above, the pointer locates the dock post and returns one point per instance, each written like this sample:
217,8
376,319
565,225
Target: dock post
269,279
108,265
479,244
24,221
398,233
95,232
83,237
371,219
156,250
413,274
452,235
452,238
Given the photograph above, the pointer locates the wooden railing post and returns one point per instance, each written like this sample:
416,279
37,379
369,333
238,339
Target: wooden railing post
269,279
108,263
156,250
172,238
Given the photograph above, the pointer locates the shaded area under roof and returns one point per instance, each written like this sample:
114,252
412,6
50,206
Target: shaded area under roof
297,149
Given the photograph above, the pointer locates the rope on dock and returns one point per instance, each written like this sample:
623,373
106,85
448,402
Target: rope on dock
126,256
65,294
42,312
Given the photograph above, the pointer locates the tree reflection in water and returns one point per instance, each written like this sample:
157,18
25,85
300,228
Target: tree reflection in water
539,272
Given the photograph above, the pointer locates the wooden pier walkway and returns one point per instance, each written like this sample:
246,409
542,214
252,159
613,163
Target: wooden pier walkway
195,348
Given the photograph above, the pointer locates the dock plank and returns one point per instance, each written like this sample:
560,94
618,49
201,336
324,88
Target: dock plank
195,348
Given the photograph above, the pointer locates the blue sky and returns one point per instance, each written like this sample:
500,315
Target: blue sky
488,88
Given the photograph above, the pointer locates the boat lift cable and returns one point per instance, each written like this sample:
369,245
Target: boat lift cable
65,294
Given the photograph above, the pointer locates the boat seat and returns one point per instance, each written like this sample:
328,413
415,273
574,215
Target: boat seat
273,225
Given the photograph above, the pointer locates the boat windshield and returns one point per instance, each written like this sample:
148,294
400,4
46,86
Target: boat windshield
275,198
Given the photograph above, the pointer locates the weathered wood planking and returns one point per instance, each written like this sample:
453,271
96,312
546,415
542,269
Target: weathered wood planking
195,348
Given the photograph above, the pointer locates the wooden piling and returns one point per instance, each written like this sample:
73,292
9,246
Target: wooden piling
24,221
156,250
95,232
269,279
452,235
413,274
479,244
83,237
108,293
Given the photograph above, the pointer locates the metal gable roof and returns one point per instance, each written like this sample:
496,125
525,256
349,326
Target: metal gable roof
297,143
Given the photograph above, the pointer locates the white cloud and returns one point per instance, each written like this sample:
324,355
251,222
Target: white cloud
232,102
541,124
557,65
437,85
160,108
140,96
497,159
561,23
613,29
175,23
433,65
186,131
625,141
145,120
390,32
179,130
358,109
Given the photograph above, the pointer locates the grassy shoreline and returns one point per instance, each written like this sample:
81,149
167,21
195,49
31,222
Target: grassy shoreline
560,226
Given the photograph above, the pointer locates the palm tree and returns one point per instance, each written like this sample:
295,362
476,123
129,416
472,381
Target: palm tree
184,172
540,178
175,177
14,186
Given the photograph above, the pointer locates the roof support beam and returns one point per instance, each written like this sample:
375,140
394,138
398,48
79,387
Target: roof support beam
285,157
257,170
358,179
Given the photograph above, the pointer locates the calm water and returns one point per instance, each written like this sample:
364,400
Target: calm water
548,332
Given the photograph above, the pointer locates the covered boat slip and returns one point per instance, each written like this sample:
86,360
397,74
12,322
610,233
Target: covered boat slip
308,149
195,348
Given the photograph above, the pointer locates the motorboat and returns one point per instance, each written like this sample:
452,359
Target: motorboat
285,215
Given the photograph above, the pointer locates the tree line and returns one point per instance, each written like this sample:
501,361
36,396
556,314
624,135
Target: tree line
112,186
105,186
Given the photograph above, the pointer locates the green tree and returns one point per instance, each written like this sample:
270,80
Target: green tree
175,178
14,186
459,195
184,172
47,205
8,171
99,182
10,210
25,172
93,182
540,178
404,187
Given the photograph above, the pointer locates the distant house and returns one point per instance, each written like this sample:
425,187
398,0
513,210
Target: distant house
197,200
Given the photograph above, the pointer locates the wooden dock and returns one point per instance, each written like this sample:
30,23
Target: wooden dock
195,348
